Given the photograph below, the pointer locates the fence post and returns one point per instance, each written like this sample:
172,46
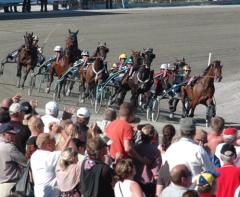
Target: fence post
209,58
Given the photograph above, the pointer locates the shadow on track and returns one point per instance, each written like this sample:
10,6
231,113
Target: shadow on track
53,14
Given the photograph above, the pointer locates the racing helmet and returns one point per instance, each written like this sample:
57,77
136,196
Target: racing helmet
123,56
187,68
85,53
57,48
171,67
35,38
164,66
129,61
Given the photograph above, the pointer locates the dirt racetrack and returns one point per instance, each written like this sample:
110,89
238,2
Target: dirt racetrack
172,33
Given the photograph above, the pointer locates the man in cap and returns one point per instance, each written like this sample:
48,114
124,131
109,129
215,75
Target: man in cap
187,152
206,183
83,117
229,179
17,112
12,161
51,114
229,137
181,180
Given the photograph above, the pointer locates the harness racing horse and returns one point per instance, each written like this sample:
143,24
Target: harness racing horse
92,75
148,56
59,67
202,92
76,52
138,83
27,58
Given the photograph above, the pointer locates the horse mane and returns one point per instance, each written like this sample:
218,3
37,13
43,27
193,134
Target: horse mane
215,62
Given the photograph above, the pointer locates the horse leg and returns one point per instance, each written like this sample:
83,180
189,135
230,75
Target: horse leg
172,106
134,98
25,77
211,111
19,74
122,95
50,81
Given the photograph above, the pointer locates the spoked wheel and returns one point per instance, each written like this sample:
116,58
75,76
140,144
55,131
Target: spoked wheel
153,110
98,101
31,84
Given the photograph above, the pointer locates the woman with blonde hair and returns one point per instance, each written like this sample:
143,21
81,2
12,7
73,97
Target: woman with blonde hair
126,186
68,173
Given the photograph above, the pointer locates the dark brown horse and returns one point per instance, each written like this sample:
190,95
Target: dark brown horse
27,58
139,82
148,56
75,51
59,67
202,92
101,50
92,75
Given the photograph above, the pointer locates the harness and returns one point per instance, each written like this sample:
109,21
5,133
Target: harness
141,81
97,72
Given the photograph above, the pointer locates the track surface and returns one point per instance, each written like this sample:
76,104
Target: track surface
172,33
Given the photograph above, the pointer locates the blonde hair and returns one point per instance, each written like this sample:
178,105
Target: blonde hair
66,157
124,169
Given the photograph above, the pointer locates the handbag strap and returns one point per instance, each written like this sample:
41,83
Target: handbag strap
120,189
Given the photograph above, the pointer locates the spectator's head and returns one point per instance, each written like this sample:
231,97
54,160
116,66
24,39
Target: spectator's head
36,126
26,107
96,148
67,157
147,133
200,137
31,147
168,133
8,132
51,108
190,193
81,145
181,175
110,114
206,182
217,124
228,153
126,112
71,130
16,112
124,169
229,135
83,115
6,103
4,116
187,127
45,142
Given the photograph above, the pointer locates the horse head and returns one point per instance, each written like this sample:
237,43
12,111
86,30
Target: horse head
148,56
101,50
137,58
28,38
179,64
216,69
73,36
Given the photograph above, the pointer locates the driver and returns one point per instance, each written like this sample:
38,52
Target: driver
120,64
58,53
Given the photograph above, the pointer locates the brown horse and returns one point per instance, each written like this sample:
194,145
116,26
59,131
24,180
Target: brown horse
101,50
27,58
62,65
202,92
95,73
75,52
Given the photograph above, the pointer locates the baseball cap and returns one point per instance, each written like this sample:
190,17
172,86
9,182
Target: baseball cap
205,181
228,150
14,108
51,108
187,125
229,134
7,127
26,107
83,112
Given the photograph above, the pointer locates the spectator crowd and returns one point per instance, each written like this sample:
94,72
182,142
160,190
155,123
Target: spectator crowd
73,155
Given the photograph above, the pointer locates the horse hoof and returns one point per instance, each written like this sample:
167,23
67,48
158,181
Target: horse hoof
68,93
171,116
47,90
